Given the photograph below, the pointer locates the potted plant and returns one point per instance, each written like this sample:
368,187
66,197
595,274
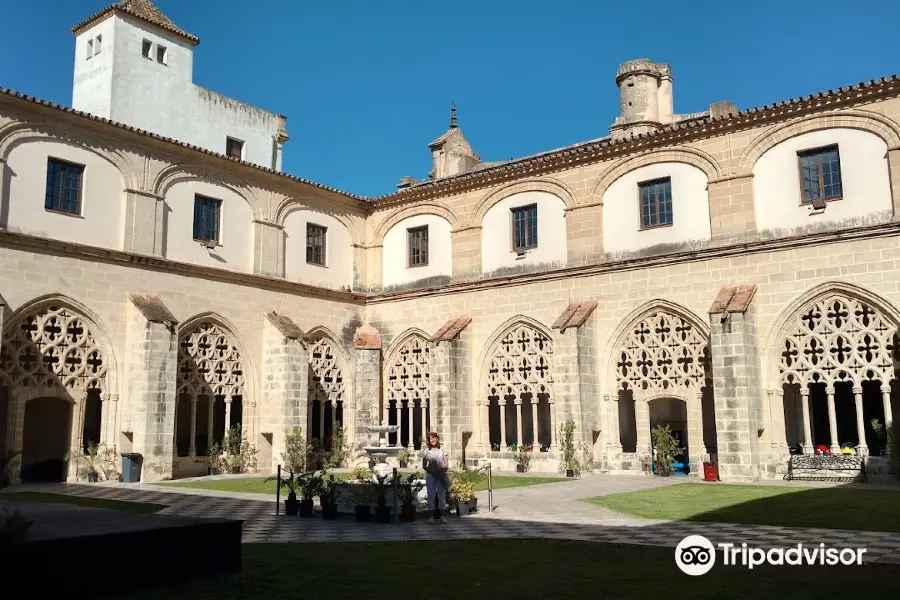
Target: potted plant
382,510
291,505
403,458
328,498
360,473
523,458
665,448
6,466
569,462
409,487
462,492
309,483
474,477
13,527
90,459
361,494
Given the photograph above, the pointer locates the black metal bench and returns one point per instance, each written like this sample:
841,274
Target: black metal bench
813,467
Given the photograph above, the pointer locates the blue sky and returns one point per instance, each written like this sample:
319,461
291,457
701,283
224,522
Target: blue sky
366,85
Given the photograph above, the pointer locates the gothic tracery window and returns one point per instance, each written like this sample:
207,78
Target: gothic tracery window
838,339
211,382
663,352
407,392
53,347
325,392
519,390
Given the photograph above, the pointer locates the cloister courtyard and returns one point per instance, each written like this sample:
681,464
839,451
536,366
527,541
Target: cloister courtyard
533,537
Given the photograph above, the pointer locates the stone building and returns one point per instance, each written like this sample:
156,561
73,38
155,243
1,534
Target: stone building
731,273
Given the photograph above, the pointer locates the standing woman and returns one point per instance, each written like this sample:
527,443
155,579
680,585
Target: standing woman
435,461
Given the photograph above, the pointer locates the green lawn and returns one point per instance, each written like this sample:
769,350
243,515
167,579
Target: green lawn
515,569
259,485
144,508
831,508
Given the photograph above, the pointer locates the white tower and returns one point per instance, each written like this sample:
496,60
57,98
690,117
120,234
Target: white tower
133,65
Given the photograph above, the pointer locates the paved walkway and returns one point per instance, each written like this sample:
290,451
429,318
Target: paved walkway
543,511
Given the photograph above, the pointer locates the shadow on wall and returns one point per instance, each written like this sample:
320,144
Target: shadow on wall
820,225
437,280
348,331
657,250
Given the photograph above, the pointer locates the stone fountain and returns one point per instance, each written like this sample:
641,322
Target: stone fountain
383,451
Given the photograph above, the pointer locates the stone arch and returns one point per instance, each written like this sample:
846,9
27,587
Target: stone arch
626,328
327,398
213,365
179,173
691,156
28,325
831,359
423,208
406,377
515,397
293,204
550,186
54,347
826,328
876,124
661,350
17,133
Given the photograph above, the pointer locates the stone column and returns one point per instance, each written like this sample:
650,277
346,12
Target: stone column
807,424
535,430
367,381
192,452
832,421
148,410
144,223
860,421
886,400
731,214
450,396
227,413
466,246
696,446
893,157
268,249
4,209
520,439
285,381
736,382
503,443
642,424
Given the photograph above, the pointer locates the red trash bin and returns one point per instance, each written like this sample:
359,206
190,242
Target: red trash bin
710,472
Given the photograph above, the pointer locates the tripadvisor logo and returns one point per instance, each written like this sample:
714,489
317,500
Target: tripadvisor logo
696,555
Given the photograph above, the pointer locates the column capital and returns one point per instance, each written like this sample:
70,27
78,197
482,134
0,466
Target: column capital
857,389
804,391
886,388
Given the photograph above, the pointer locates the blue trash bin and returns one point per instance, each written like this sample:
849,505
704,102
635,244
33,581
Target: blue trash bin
131,467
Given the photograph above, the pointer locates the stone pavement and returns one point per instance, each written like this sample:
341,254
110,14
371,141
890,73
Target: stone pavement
542,511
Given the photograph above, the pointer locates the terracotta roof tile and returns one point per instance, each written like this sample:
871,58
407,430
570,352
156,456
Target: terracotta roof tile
451,329
142,9
153,309
733,299
575,314
285,326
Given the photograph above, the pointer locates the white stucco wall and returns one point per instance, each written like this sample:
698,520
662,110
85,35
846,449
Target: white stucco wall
235,251
92,83
162,99
395,251
102,219
338,269
496,232
864,177
690,209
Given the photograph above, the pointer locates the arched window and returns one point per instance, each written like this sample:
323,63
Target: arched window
407,392
325,407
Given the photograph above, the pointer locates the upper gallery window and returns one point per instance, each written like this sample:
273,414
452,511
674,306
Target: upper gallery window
656,203
234,148
418,246
63,193
820,174
207,216
315,244
524,228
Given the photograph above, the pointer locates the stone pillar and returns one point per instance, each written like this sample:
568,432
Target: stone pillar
886,400
268,249
367,382
451,398
285,383
832,421
584,234
860,421
807,423
642,424
731,213
148,411
893,157
144,223
736,382
4,204
466,245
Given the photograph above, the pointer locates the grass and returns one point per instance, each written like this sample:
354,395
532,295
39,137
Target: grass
143,508
831,508
259,485
516,569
